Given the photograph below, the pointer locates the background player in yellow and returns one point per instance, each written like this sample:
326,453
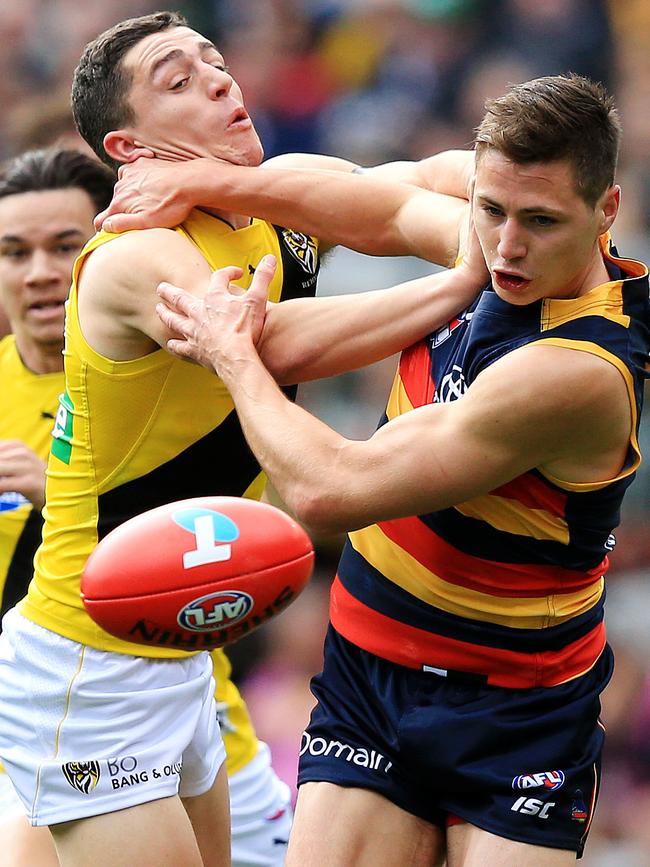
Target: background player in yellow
151,421
47,203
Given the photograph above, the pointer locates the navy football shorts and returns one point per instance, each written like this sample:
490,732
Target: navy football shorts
521,763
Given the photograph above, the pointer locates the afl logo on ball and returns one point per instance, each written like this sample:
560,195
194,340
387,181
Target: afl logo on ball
215,611
82,776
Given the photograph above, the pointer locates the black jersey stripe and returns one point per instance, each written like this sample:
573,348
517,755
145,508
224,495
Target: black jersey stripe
21,566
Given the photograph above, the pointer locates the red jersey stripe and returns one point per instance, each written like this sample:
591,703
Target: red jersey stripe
532,492
413,647
415,373
485,576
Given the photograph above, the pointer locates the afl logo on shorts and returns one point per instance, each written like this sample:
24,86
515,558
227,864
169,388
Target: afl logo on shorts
82,776
215,611
550,780
302,248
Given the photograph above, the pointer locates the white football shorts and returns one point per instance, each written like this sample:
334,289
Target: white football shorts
85,732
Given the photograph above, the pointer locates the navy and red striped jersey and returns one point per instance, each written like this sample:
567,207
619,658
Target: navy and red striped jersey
508,585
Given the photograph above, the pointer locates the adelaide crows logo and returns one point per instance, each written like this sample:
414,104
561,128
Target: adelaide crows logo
82,776
302,248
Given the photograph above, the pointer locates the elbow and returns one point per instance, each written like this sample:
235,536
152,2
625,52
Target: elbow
385,241
289,365
284,368
320,512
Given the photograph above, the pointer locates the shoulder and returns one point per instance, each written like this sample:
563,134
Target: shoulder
553,396
138,251
132,264
563,377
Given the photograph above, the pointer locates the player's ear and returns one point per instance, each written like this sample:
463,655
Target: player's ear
609,205
122,147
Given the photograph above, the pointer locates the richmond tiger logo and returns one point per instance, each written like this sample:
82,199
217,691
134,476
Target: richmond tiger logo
302,248
82,776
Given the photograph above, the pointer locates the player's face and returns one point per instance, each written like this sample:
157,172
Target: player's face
40,235
538,235
186,103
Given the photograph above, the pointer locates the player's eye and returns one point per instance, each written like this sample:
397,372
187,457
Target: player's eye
492,210
543,220
15,253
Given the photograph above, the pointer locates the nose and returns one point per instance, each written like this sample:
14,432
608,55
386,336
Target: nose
220,82
511,241
42,269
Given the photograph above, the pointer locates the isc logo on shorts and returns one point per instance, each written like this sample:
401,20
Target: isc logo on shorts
532,807
12,500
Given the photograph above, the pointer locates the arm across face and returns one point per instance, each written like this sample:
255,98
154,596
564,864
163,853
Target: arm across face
388,210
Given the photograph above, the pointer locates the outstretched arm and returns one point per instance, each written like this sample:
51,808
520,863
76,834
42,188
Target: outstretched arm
449,172
369,213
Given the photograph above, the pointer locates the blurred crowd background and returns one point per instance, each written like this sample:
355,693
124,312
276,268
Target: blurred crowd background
377,80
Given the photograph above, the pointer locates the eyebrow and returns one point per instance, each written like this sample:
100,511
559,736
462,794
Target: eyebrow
539,210
59,236
177,53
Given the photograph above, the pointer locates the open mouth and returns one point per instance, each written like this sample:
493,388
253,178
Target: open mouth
509,281
240,119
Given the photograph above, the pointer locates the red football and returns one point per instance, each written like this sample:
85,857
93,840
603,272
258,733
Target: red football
196,574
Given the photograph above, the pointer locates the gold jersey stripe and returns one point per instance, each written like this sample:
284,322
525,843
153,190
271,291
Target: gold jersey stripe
398,400
511,516
605,300
522,612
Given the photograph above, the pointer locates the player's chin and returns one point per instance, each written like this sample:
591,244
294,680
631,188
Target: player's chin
519,299
250,152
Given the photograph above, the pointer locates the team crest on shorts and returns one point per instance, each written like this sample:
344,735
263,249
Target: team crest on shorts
302,248
82,776
578,808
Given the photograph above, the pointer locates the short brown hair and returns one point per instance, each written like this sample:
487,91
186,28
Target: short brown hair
554,118
100,84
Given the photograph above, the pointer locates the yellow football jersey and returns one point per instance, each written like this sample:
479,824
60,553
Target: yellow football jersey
29,404
132,435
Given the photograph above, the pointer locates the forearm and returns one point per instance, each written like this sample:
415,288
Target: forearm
293,447
313,338
310,161
367,214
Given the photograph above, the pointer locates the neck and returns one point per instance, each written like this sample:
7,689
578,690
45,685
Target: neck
595,275
237,221
40,359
